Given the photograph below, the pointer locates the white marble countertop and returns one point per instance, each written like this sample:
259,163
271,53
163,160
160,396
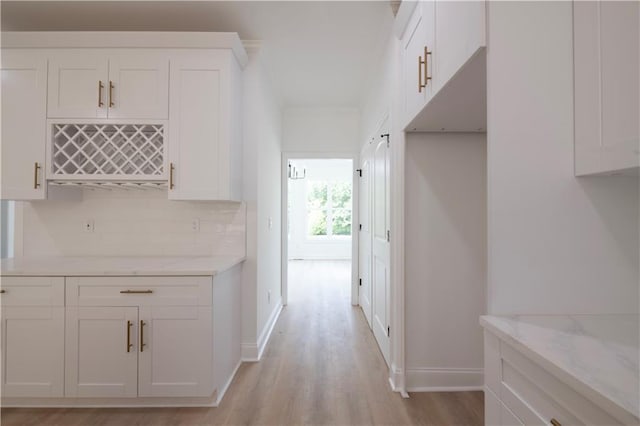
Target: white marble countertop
106,265
597,355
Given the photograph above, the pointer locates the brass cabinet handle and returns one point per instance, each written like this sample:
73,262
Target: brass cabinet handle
111,103
142,344
3,291
554,422
129,344
136,291
171,170
36,168
423,63
100,87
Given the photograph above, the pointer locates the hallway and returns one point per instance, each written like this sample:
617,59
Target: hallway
322,366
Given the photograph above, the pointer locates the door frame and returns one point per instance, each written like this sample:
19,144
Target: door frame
355,200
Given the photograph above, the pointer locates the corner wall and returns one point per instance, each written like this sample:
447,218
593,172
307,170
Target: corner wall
557,244
261,289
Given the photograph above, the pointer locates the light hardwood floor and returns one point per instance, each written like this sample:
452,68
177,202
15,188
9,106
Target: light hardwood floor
321,367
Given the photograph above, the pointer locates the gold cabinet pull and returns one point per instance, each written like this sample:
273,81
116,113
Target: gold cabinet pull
136,291
423,63
142,344
100,87
554,422
111,103
129,344
171,170
36,169
3,291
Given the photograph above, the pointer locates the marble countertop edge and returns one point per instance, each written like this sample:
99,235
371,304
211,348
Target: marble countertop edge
607,402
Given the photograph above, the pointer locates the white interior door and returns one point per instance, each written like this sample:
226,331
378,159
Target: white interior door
101,352
364,263
33,351
138,85
381,258
78,84
24,100
175,357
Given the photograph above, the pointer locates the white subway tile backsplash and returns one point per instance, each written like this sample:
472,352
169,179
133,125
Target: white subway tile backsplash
133,223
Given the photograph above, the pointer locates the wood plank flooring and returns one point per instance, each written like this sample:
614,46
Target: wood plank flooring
321,367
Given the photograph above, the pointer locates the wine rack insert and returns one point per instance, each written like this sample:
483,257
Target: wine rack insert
108,151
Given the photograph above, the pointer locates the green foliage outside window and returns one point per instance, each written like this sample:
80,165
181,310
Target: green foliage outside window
329,208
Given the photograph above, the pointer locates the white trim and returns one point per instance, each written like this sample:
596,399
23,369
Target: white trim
444,379
224,388
252,352
127,39
355,213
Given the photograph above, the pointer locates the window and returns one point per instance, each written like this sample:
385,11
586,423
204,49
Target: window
328,208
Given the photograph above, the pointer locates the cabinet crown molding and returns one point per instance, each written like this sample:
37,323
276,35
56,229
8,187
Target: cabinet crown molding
126,39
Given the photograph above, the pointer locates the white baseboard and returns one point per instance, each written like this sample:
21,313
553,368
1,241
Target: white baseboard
396,379
444,379
252,352
224,389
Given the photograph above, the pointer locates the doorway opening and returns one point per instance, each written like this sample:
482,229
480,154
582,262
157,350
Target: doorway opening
319,196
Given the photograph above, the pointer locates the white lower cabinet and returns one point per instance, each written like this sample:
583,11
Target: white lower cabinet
32,337
519,391
145,347
32,351
174,357
101,346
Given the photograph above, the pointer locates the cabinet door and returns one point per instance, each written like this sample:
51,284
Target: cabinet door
619,45
417,64
607,92
32,351
199,92
460,32
78,84
24,97
101,352
138,85
175,356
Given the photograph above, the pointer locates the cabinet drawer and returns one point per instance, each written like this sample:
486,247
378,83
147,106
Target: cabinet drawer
536,396
139,291
32,291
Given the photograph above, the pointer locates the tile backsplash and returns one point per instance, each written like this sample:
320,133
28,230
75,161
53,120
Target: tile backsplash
132,223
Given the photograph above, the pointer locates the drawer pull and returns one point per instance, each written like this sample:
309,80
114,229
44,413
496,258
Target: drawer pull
3,291
129,344
136,291
554,422
142,344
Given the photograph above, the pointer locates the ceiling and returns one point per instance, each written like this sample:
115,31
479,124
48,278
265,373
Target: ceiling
317,53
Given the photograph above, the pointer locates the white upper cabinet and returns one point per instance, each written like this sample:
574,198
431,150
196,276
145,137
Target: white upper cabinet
607,86
443,72
460,32
130,84
24,97
78,83
138,85
205,150
417,68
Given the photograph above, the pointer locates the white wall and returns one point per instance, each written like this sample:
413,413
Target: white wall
557,244
301,246
445,264
129,223
327,129
262,191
